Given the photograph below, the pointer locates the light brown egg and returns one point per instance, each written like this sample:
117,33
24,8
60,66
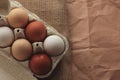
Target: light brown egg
17,18
21,49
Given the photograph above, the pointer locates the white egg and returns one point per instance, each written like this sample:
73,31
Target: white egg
54,45
6,36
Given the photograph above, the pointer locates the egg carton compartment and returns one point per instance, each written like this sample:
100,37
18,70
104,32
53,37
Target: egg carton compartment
37,46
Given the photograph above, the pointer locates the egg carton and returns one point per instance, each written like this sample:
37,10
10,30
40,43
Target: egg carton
37,46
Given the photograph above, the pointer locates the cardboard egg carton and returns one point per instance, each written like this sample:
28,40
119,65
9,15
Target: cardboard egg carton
37,46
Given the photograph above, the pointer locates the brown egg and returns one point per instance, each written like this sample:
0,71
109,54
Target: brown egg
40,64
21,49
17,18
36,31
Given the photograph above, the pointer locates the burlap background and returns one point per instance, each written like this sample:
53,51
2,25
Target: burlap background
51,11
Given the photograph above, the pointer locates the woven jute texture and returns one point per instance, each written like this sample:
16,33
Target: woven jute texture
51,11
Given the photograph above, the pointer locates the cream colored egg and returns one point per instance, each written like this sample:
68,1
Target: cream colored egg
6,36
17,18
54,45
21,49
